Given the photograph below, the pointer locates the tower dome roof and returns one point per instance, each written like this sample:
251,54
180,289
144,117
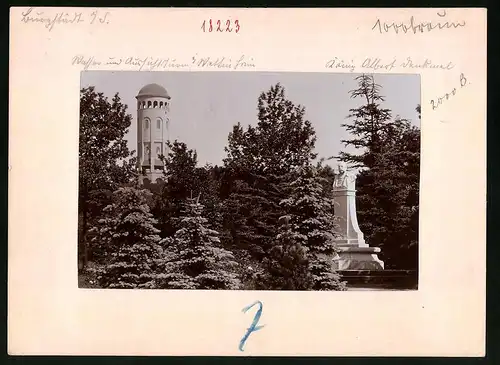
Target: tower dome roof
153,90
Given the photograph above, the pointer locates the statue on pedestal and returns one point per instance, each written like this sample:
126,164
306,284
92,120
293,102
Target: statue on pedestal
355,253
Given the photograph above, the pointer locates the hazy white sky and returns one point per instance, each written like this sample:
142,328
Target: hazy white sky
205,105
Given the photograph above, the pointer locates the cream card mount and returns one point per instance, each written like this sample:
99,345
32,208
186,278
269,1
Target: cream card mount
207,86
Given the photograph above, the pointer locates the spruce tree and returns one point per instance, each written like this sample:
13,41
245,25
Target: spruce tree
131,242
196,259
312,217
286,266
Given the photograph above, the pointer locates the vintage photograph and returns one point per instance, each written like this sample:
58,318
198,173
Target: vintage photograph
248,181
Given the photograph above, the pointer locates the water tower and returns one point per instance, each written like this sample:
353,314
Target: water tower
153,107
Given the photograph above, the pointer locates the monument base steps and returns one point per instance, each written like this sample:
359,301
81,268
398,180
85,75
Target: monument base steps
358,258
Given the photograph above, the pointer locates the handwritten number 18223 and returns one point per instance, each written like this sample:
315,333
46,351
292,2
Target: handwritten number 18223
220,26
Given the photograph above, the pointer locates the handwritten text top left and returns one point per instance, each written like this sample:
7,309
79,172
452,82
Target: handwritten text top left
66,18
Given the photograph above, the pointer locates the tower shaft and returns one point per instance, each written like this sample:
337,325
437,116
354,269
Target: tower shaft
153,107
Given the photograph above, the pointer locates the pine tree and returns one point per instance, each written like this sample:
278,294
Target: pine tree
196,258
128,236
312,217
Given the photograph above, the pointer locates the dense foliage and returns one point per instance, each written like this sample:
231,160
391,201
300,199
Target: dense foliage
196,259
388,183
258,165
264,219
127,231
311,216
104,158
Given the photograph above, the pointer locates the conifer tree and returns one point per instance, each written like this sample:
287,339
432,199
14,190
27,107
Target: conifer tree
130,240
251,214
180,183
184,179
312,217
209,180
196,259
370,122
395,199
286,266
258,161
388,180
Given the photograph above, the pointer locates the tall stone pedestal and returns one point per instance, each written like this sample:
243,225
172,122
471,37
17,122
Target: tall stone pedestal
355,253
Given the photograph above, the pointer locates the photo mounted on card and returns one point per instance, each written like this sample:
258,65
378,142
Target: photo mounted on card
204,186
181,187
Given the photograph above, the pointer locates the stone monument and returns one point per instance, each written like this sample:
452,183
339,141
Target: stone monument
355,253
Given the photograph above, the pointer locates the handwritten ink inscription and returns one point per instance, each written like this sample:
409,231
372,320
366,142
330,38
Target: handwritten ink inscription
253,327
61,18
340,63
376,63
427,63
140,63
220,26
437,102
155,63
412,26
223,62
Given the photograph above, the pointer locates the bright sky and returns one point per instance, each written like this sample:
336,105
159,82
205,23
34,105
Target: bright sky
205,105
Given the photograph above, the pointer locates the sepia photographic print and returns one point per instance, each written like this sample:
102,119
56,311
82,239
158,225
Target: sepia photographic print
248,181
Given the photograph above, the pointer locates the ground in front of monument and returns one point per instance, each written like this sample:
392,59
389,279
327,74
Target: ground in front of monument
249,181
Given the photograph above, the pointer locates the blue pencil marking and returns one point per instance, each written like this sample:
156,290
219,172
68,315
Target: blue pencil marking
253,327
